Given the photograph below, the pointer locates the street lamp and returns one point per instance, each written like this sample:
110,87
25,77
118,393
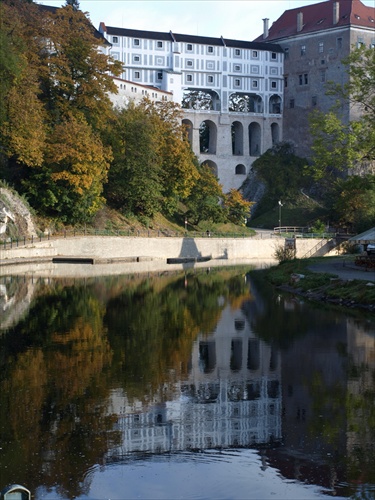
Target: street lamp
280,205
185,225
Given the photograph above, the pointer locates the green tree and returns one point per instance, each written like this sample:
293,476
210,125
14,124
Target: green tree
354,203
135,178
205,201
341,147
282,173
153,163
179,171
335,147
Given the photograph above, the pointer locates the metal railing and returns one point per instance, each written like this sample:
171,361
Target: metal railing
11,243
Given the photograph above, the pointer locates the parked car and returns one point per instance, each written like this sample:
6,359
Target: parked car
370,249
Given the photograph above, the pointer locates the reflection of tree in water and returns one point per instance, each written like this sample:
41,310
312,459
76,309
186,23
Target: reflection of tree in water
54,360
60,363
153,328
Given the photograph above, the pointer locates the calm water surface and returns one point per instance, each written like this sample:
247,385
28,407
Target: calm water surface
202,384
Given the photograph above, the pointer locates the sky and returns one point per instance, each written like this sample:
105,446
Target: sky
235,19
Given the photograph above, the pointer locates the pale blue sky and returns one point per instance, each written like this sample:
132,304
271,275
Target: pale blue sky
237,19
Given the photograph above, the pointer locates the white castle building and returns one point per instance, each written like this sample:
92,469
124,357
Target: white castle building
231,91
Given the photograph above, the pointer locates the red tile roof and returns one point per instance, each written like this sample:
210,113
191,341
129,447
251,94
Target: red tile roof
320,16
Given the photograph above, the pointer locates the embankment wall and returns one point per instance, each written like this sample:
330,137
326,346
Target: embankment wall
104,248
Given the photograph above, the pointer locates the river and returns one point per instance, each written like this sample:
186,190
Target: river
196,384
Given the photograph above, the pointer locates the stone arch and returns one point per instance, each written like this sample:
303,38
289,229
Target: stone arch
212,166
237,138
256,104
201,99
241,102
207,137
240,169
275,104
255,139
275,133
189,130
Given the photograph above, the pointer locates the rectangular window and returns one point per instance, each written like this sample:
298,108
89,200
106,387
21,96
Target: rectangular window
237,67
273,55
136,42
159,44
137,75
255,84
189,47
273,85
303,50
323,76
237,82
300,79
160,76
136,58
305,78
321,47
237,52
115,39
210,49
210,79
255,54
189,78
189,63
291,103
285,81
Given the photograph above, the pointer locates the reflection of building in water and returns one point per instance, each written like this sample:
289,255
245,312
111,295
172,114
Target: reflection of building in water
361,387
231,398
328,375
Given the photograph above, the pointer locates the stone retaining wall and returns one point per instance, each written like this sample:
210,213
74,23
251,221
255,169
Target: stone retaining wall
104,248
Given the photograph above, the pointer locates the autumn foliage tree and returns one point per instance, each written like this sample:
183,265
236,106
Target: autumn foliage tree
238,209
55,104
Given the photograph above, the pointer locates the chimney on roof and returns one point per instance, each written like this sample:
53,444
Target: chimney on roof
265,27
299,21
336,12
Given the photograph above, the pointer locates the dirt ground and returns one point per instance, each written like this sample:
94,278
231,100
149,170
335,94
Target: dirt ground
345,269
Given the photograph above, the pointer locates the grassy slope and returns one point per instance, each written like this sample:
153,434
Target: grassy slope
303,211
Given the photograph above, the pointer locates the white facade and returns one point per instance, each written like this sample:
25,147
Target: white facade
242,84
129,91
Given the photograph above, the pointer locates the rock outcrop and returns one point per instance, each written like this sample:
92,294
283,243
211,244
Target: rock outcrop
15,216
